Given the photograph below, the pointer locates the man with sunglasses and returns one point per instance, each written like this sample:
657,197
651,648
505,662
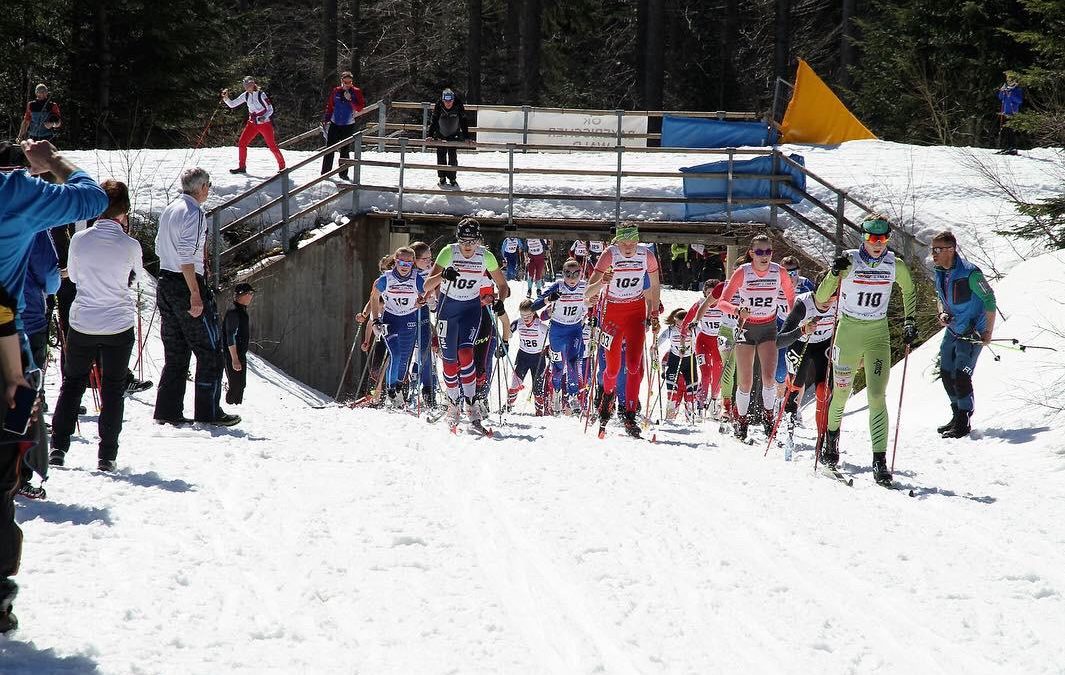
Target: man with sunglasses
566,336
967,312
864,278
758,284
462,265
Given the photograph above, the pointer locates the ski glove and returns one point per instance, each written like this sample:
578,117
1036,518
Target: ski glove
840,264
498,308
553,295
451,274
501,350
379,327
909,331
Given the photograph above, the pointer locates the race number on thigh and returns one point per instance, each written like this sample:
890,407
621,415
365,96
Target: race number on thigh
441,328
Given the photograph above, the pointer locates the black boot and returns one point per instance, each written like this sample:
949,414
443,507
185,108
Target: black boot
830,449
768,422
429,397
960,428
632,427
880,470
605,405
954,418
739,425
8,591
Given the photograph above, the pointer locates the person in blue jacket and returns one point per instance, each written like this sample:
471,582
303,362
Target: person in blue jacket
967,312
29,205
1011,97
512,249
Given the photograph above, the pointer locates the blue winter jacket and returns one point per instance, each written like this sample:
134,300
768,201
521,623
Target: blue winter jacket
42,279
1011,98
965,295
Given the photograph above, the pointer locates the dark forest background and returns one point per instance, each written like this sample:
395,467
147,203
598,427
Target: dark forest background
133,73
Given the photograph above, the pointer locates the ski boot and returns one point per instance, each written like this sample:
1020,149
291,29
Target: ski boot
575,406
8,591
474,412
56,457
671,411
454,413
556,403
30,492
953,418
392,401
768,422
960,427
739,425
632,427
880,470
604,403
107,466
429,397
830,449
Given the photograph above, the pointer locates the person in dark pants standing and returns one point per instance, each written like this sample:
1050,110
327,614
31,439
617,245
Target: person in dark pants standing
189,317
343,103
236,331
448,124
101,261
42,117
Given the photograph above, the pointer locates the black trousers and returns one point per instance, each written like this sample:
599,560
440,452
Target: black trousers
111,352
237,379
182,337
12,448
64,298
449,157
335,134
36,459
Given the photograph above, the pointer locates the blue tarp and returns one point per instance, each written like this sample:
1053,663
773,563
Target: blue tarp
691,132
741,188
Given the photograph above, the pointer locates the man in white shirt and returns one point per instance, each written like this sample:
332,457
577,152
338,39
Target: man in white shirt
187,310
102,261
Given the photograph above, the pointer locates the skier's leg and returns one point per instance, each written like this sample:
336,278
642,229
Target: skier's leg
267,130
246,137
877,371
849,347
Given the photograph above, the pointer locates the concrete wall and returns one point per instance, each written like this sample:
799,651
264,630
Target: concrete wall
302,319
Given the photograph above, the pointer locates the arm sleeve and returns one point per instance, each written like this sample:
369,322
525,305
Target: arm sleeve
189,238
513,326
787,286
539,302
792,328
663,337
652,262
42,205
136,259
72,261
462,121
909,293
979,286
381,284
231,328
327,114
605,260
828,287
235,102
434,122
360,100
443,258
734,283
419,283
28,116
490,262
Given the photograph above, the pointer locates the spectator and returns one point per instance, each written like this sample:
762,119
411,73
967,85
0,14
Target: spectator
1010,96
343,103
28,205
678,255
237,334
189,317
101,262
448,124
42,117
260,122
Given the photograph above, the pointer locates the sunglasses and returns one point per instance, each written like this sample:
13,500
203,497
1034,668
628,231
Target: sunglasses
570,274
876,238
762,251
936,250
793,271
405,263
469,242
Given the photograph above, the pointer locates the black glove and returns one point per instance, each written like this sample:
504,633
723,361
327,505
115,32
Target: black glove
501,350
451,274
909,331
498,308
839,264
553,295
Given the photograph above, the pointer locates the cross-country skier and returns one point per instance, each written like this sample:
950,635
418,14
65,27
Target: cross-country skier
260,123
626,309
681,372
707,354
758,283
535,263
864,277
401,289
967,312
512,249
801,285
487,346
566,333
427,342
531,333
462,265
578,250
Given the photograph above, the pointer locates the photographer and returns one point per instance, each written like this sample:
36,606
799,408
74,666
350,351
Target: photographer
101,261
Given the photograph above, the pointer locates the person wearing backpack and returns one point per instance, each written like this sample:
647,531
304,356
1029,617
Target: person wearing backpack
260,122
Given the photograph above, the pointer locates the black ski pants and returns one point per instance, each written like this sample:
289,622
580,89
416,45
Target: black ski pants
183,335
449,157
237,379
335,134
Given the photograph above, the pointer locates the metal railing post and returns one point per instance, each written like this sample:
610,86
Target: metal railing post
356,173
425,125
621,116
216,249
617,189
840,202
524,126
510,186
285,210
402,168
382,120
728,188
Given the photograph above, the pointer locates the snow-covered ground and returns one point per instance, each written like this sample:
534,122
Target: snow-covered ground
925,189
315,539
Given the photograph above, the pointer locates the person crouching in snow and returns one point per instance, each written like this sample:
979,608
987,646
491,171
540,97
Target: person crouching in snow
260,122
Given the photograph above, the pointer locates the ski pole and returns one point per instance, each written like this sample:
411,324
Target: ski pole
366,367
140,338
789,386
351,354
898,416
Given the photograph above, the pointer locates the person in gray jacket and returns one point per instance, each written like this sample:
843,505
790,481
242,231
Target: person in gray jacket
448,124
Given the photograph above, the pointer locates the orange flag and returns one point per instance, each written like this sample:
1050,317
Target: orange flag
816,115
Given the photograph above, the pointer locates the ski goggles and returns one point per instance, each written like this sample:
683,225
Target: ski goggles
571,274
405,264
762,251
876,238
793,272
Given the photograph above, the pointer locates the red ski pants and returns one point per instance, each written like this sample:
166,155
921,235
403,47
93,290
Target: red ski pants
251,130
709,366
623,325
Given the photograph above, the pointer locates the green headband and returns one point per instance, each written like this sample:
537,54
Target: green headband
876,226
627,233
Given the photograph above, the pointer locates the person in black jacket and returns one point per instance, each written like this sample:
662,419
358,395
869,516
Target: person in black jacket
236,328
448,124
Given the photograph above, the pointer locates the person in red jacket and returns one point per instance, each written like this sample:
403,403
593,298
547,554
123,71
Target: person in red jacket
260,121
338,120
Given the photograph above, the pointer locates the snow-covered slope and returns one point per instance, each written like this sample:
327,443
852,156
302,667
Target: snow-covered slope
925,189
329,540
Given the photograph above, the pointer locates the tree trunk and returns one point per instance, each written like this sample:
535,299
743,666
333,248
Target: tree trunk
473,52
726,86
782,41
511,42
356,19
530,52
654,59
641,51
329,45
846,45
103,86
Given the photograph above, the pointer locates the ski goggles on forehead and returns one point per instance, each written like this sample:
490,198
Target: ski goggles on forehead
875,238
762,251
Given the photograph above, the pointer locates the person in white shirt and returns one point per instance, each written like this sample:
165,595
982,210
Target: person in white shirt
102,261
260,122
187,309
